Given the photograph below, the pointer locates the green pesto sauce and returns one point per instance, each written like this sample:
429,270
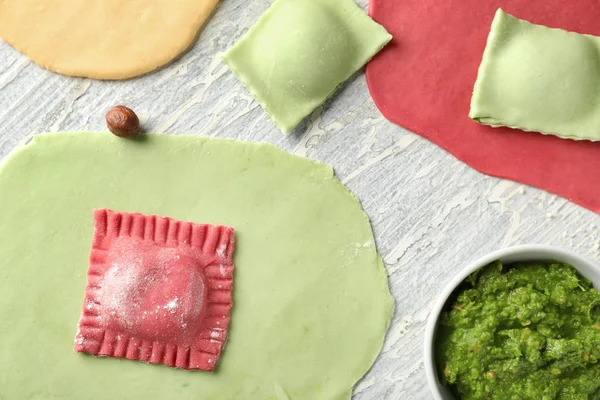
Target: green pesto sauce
522,331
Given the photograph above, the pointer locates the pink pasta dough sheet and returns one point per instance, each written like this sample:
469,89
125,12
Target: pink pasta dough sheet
158,291
424,79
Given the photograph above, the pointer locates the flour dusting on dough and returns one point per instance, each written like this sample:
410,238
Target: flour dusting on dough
221,251
146,285
173,305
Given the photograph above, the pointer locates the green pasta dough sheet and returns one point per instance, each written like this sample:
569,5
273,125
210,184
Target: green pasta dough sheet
311,302
300,51
539,79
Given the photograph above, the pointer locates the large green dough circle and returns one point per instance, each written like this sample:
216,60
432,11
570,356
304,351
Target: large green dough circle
311,299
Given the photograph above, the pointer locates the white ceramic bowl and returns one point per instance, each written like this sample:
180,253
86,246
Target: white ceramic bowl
585,267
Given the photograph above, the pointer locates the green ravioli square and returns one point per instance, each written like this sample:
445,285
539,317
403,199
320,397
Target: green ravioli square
300,51
539,79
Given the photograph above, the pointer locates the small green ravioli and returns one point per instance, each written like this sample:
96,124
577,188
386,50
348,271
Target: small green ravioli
539,79
300,52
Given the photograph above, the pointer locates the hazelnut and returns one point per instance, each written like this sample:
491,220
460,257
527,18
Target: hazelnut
122,121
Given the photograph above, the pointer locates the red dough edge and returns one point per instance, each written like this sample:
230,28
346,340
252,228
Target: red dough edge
92,338
423,80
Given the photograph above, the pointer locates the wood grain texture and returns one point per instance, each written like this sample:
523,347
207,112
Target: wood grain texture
431,214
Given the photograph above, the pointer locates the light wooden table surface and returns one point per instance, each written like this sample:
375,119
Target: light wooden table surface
431,213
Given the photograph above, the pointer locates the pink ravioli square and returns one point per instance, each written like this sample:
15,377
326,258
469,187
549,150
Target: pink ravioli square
158,291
